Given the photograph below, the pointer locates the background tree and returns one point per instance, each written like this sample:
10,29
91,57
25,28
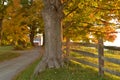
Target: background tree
25,14
84,16
13,32
32,17
3,6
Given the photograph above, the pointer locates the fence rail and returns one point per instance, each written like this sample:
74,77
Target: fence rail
82,44
84,62
100,56
85,53
112,48
113,60
111,71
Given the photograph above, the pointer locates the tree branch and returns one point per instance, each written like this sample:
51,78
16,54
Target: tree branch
68,24
71,11
65,3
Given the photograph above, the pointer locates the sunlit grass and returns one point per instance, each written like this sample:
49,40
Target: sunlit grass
108,53
6,53
71,71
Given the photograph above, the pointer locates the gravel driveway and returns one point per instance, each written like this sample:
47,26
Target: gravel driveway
9,69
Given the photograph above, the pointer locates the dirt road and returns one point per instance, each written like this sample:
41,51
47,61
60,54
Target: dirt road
9,69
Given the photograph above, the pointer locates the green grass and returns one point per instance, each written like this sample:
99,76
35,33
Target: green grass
26,74
71,71
107,53
7,53
5,48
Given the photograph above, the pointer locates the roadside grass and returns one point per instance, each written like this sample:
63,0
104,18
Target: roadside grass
107,53
109,65
71,71
7,53
5,48
28,72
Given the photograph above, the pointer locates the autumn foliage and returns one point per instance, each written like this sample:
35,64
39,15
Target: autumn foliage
82,19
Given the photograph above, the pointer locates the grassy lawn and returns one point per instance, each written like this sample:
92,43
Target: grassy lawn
108,53
25,75
6,53
71,71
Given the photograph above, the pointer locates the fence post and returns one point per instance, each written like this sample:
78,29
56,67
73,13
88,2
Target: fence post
67,46
100,54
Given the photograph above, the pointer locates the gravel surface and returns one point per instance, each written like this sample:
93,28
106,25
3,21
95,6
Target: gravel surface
9,69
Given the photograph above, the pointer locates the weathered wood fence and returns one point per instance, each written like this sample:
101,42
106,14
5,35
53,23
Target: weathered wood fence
100,56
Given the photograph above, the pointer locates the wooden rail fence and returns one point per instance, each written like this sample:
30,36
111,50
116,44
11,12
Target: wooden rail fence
100,56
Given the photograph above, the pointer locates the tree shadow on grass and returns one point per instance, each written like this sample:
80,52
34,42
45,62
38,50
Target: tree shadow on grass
73,71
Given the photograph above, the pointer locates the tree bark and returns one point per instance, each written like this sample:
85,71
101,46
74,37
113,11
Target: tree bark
32,38
52,16
32,34
43,39
1,29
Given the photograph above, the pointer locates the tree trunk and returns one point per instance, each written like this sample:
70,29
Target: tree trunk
43,39
1,29
52,16
32,38
32,34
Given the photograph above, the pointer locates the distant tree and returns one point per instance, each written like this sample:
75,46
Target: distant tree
32,17
14,33
25,13
3,6
83,17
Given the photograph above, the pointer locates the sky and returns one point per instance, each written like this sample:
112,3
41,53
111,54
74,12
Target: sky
116,42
